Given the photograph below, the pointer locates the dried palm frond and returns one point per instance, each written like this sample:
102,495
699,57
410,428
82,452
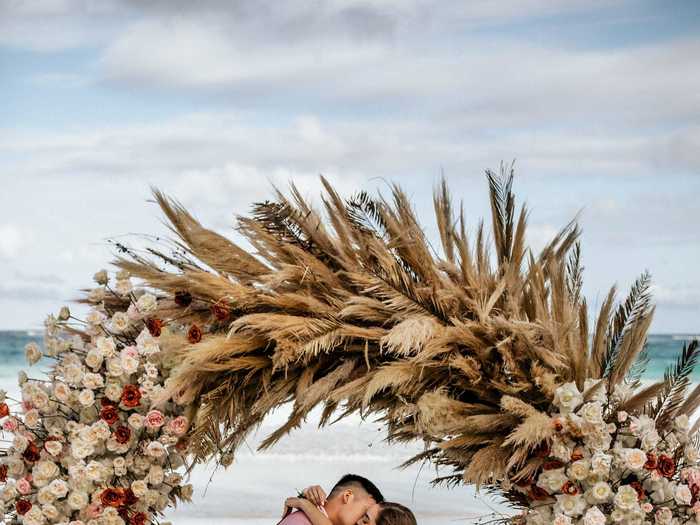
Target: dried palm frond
355,313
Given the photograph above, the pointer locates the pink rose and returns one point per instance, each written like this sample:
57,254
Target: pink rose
133,313
10,425
130,351
23,486
647,507
27,405
178,426
154,419
94,510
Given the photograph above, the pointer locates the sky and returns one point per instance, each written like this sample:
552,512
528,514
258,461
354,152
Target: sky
215,102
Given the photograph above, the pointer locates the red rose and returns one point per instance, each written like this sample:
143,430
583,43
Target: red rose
542,450
131,396
636,485
138,518
651,461
538,493
569,488
666,466
183,298
110,414
220,311
552,464
129,497
23,506
112,497
194,334
122,434
31,453
4,410
154,326
3,473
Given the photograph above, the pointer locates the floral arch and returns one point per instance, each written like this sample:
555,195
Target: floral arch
485,357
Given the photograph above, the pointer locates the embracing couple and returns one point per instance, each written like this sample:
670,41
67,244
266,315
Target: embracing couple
354,500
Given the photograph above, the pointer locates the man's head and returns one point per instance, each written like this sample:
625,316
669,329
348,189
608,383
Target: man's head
351,498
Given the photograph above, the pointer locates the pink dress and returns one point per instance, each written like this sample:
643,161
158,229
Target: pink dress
298,518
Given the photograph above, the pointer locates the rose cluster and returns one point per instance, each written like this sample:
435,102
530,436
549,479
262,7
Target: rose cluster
94,444
622,469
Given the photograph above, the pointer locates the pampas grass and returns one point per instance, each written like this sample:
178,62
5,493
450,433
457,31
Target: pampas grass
356,313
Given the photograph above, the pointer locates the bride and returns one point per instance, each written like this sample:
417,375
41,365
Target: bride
312,506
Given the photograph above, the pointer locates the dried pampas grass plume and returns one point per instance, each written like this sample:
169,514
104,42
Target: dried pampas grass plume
353,310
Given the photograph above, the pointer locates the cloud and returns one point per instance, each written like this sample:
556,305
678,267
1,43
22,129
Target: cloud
682,296
11,241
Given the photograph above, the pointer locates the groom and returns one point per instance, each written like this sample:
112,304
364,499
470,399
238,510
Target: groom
346,504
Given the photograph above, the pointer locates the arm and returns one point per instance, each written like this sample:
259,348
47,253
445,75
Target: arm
316,517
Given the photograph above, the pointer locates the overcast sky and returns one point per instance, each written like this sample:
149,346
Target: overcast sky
598,102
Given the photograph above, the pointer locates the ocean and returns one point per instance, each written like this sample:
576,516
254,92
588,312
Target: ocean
253,489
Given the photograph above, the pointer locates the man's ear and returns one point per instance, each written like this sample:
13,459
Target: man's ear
347,496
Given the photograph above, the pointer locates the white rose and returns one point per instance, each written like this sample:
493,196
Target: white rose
119,322
113,391
94,358
570,505
80,449
20,443
129,364
93,381
32,353
552,480
53,447
62,392
135,421
95,317
86,397
114,367
77,500
40,399
147,303
106,346
650,439
626,498
567,397
592,413
600,463
579,470
593,516
45,496
634,458
155,449
600,492
682,495
73,374
34,517
31,418
139,487
49,511
58,488
45,469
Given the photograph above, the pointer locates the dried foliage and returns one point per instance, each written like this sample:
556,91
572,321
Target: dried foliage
357,313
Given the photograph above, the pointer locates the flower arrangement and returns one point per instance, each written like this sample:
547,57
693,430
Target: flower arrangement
608,466
94,444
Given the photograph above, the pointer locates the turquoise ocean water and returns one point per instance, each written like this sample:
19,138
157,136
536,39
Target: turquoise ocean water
662,348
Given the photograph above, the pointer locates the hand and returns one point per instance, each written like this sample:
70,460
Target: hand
293,503
315,494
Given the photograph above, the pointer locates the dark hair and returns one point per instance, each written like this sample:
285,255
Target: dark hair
353,480
395,514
